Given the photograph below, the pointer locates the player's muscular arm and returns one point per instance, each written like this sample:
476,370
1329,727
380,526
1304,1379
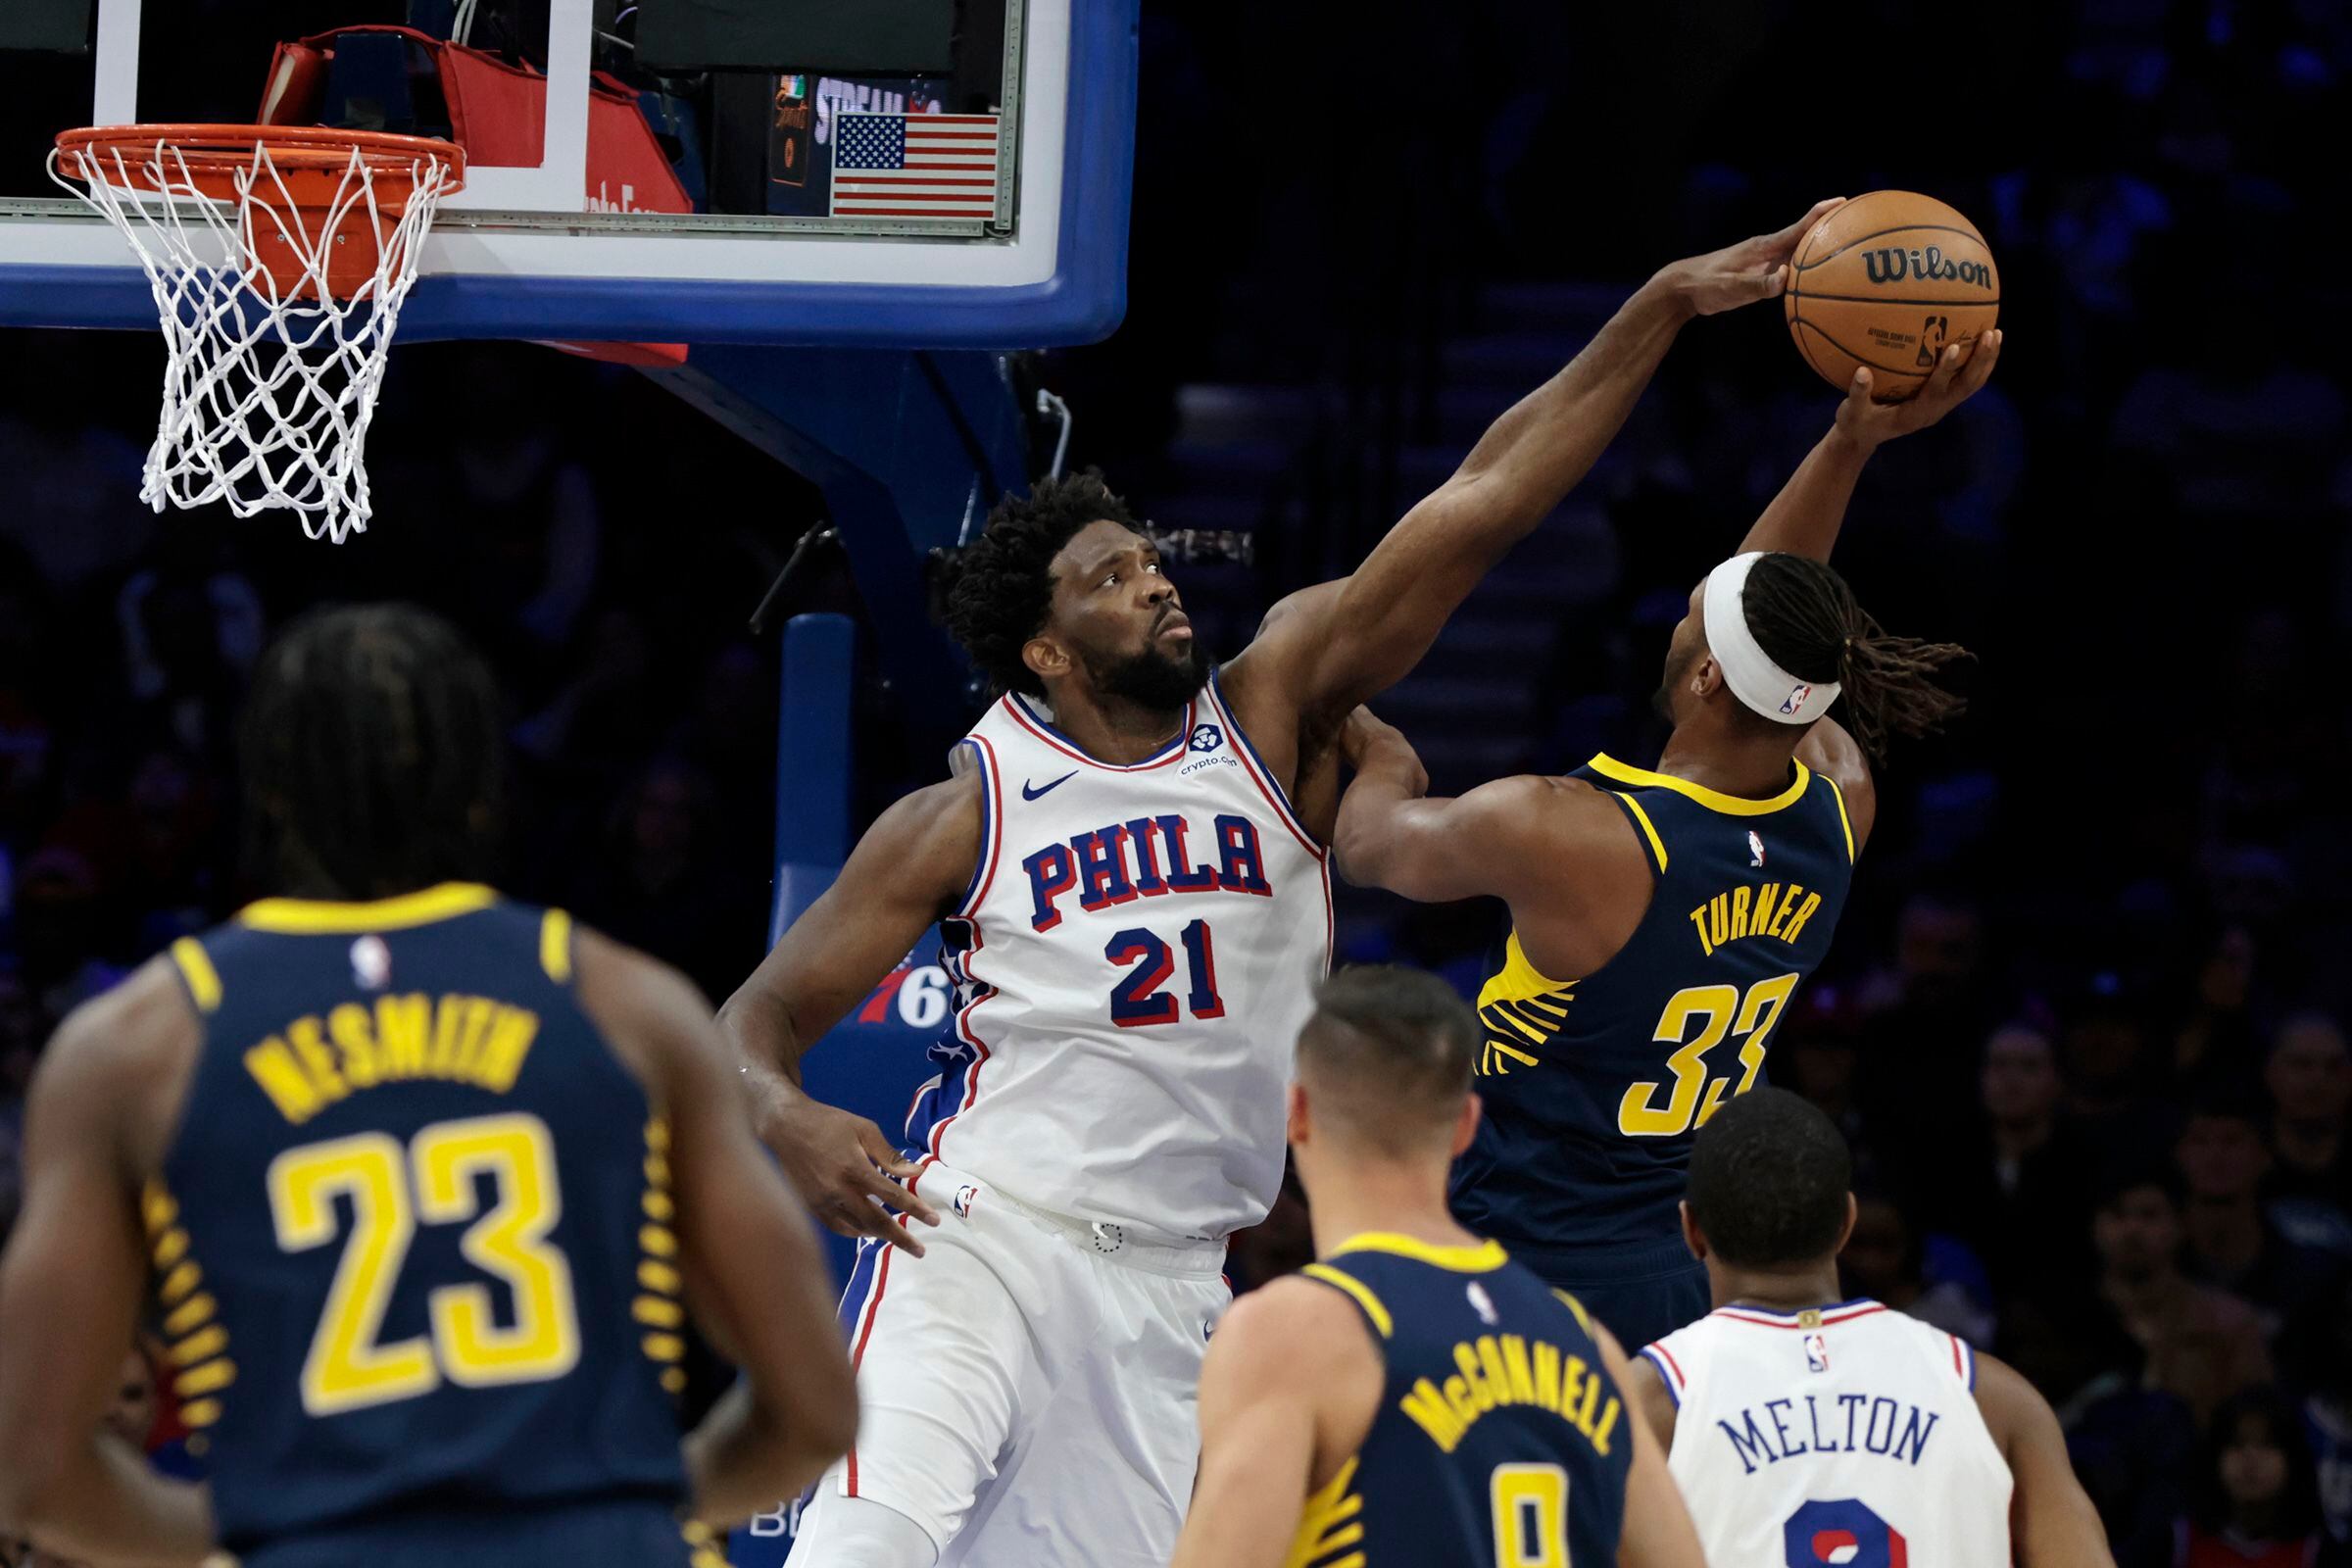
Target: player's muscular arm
1803,519
72,1288
911,869
756,1282
1338,652
1436,850
1830,751
1523,839
1314,772
1658,1531
1287,1392
2052,1520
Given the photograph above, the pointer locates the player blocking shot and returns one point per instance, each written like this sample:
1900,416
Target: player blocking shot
1413,1398
1806,1428
1136,910
421,1185
1662,919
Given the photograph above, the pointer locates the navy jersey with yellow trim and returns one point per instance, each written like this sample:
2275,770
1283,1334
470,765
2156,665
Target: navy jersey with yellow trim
1593,1087
1500,1438
412,1238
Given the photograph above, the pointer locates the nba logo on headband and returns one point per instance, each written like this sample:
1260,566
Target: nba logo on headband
1754,677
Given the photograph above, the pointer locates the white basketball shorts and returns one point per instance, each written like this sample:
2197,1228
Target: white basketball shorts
1027,1387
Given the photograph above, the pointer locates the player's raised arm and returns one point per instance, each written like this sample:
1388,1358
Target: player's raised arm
70,1292
909,868
1803,519
1336,654
1658,1531
1280,1353
2052,1519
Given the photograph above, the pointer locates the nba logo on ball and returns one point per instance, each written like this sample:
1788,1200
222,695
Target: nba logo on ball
1207,737
1817,1352
1797,698
965,1197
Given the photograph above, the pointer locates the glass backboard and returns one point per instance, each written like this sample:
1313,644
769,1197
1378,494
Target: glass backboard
962,181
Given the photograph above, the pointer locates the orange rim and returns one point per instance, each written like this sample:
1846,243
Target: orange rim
214,155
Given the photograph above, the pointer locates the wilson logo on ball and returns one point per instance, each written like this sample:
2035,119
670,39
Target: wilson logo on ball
1928,265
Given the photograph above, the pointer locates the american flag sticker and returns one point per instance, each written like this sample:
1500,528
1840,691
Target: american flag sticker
914,166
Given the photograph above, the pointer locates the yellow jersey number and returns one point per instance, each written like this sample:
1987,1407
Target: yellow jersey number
1697,1019
1530,1505
434,1179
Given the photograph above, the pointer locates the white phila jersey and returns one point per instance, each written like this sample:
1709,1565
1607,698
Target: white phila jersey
1846,1436
1139,951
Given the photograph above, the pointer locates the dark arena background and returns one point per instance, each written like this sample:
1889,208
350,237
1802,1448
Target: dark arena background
2083,1022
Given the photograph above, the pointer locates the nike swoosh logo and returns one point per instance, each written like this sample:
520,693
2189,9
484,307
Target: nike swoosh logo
1031,791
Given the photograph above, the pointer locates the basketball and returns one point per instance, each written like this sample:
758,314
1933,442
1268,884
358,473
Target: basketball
1886,282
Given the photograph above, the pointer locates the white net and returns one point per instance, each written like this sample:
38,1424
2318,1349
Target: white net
272,378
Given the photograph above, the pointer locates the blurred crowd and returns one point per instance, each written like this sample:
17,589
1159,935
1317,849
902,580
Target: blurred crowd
2084,1022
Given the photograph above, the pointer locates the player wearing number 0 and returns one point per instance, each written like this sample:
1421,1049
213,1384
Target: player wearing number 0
1136,912
1808,1431
412,1179
1662,919
1414,1398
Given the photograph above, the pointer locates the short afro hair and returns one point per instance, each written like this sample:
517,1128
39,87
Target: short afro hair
1003,585
1769,1177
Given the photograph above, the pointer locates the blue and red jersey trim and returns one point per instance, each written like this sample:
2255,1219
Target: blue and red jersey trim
1260,774
992,825
1017,706
1670,1372
874,1266
1831,1317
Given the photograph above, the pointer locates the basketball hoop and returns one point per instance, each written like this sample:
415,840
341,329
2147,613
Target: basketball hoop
278,257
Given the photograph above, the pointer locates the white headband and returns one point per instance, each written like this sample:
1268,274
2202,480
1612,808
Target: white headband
1751,673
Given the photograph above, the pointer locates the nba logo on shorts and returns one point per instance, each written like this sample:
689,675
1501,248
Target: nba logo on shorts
1817,1354
965,1197
1207,737
1796,698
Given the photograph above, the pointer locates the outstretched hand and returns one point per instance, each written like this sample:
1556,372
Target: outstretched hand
1960,371
847,1172
1751,271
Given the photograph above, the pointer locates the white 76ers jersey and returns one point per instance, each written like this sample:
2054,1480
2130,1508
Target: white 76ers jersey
1142,945
1847,1435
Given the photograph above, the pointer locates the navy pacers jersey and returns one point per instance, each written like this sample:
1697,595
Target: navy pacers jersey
1500,1438
1595,1086
412,1243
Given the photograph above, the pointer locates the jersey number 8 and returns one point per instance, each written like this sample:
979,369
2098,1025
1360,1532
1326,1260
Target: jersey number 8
1844,1533
1717,1012
348,1368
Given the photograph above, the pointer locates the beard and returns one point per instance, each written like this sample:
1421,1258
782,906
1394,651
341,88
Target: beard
1662,701
1151,679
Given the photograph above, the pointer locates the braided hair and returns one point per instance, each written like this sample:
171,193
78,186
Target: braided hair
373,752
1001,584
1807,618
